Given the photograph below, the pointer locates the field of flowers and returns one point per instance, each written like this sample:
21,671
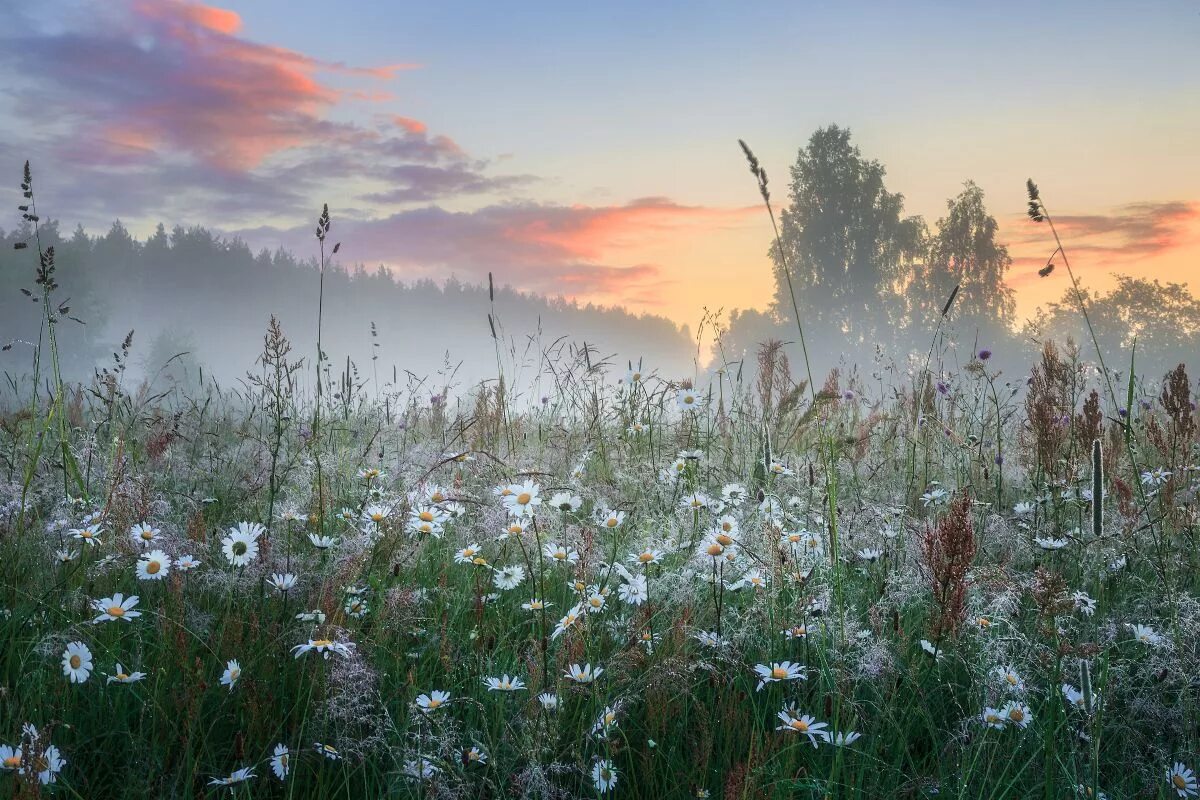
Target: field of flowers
956,583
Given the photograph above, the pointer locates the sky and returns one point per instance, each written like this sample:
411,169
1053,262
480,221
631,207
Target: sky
590,150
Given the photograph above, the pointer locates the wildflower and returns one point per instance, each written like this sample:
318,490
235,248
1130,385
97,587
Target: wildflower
121,676
504,684
143,534
356,606
755,579
560,554
154,566
322,542
236,777
535,605
77,662
279,761
1155,477
779,671
433,701
566,502
646,557
88,534
1146,635
607,722
241,544
803,724
375,515
934,652
186,563
1182,780
1051,542
10,758
795,632
522,499
116,607
612,519
1010,678
284,582
1017,713
548,701
710,639
1023,509
233,671
687,399
604,775
1084,604
844,738
470,555
870,555
695,501
509,577
992,718
422,769
324,647
584,674
327,750
65,556
634,591
567,621
595,603
316,615
780,468
371,474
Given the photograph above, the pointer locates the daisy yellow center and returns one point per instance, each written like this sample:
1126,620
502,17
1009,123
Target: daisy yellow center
116,611
434,703
779,673
612,522
793,538
377,517
1179,781
505,492
799,631
234,674
696,503
596,602
239,548
122,676
560,554
479,561
153,567
468,551
427,516
644,557
715,549
688,399
75,662
984,622
147,535
580,675
799,725
578,586
1012,679
727,526
85,534
322,643
12,762
523,498
437,497
725,539
515,529
536,604
1016,715
570,619
646,637
283,760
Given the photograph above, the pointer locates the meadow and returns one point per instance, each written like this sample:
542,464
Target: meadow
924,578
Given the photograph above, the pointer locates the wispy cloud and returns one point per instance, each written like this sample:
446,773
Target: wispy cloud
575,251
1121,238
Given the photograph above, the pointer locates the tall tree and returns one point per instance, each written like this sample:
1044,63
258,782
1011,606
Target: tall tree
846,241
964,253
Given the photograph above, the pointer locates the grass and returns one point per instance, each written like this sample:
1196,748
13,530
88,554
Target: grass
867,531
